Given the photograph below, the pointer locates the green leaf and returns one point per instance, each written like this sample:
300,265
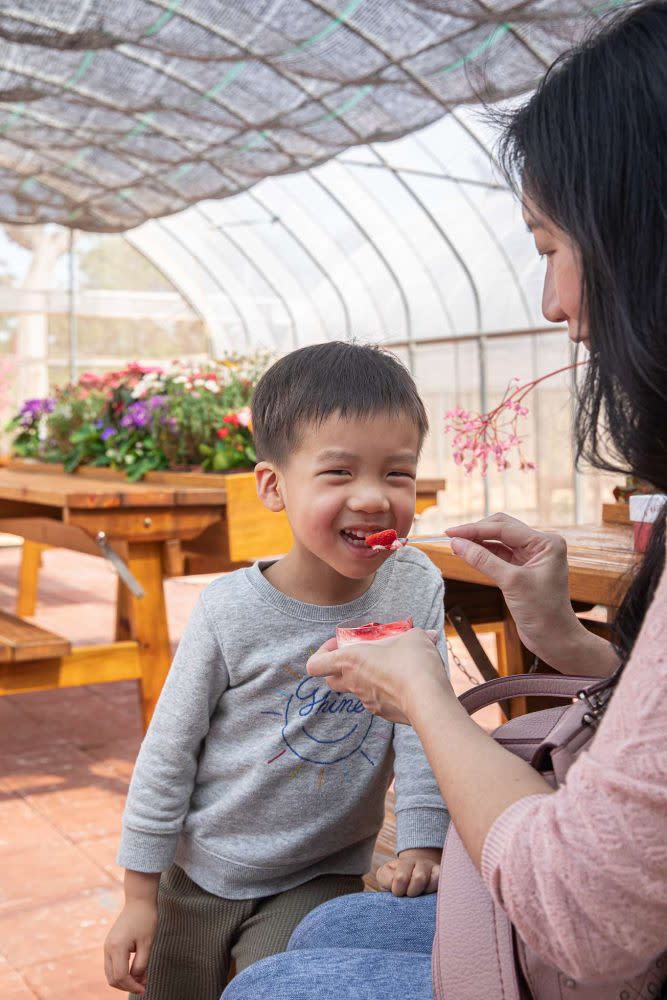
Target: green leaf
137,470
221,461
73,460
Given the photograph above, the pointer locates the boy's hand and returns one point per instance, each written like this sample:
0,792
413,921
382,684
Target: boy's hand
133,932
412,873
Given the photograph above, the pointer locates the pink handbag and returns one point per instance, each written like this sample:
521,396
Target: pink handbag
476,951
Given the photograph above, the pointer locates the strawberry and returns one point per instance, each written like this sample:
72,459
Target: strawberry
381,539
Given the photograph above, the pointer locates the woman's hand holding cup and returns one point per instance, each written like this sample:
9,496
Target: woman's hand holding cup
385,676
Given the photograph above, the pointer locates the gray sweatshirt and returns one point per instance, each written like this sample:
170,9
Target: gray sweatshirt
255,777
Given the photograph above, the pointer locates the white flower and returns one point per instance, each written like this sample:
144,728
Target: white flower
147,383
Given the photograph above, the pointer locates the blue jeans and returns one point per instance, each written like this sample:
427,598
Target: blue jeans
368,946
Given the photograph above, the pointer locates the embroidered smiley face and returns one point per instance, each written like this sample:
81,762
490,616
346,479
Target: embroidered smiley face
323,727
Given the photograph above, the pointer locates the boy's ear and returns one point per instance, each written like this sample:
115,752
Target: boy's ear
268,486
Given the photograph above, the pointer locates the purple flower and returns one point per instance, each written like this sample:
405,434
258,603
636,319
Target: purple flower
171,423
138,415
40,406
155,402
33,409
107,433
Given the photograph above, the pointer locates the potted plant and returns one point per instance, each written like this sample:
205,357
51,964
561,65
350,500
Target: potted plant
144,419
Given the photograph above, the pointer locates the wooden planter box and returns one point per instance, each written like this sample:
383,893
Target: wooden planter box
247,532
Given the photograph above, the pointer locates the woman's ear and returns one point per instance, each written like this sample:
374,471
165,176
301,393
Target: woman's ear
268,486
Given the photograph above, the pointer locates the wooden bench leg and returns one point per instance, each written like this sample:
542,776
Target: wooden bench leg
148,615
31,561
123,612
513,657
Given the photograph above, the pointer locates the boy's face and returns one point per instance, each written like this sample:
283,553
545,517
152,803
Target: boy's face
346,479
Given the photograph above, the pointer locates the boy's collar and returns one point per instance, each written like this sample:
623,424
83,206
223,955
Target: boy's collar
329,613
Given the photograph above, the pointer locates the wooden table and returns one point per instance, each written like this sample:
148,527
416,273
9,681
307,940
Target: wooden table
138,520
600,558
427,493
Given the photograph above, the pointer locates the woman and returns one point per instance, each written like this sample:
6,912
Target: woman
582,871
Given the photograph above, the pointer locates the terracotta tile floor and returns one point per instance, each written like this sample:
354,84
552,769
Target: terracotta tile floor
65,762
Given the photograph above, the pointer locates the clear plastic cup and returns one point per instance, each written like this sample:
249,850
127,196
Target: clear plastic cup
368,630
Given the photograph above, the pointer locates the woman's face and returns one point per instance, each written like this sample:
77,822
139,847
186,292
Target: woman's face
561,297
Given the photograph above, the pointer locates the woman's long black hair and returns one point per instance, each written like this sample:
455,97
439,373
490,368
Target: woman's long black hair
590,150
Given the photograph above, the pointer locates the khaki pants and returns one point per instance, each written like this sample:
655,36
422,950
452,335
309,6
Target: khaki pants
199,934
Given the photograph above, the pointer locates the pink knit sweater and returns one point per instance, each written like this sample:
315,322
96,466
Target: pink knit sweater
582,873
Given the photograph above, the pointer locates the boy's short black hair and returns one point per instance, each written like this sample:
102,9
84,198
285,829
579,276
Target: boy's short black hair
313,383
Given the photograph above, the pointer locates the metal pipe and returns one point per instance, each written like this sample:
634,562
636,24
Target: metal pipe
489,230
359,272
407,316
291,319
290,230
216,281
437,341
458,257
416,172
484,407
71,295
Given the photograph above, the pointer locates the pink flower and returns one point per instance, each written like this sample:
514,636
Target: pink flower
481,437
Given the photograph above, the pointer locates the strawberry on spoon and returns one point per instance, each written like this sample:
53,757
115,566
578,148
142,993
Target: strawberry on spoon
385,541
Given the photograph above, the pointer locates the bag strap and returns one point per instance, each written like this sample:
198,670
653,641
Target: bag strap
525,686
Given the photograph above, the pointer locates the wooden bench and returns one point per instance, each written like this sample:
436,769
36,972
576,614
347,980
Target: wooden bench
34,659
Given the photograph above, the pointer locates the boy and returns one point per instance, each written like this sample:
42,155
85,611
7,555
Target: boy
258,792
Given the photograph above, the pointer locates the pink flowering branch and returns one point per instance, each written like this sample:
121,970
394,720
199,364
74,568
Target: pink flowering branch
480,439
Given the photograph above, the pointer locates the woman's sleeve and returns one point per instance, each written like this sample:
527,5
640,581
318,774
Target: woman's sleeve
582,873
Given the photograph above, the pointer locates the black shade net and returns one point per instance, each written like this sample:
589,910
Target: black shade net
117,111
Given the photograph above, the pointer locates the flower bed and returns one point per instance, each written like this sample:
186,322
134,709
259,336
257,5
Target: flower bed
142,419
